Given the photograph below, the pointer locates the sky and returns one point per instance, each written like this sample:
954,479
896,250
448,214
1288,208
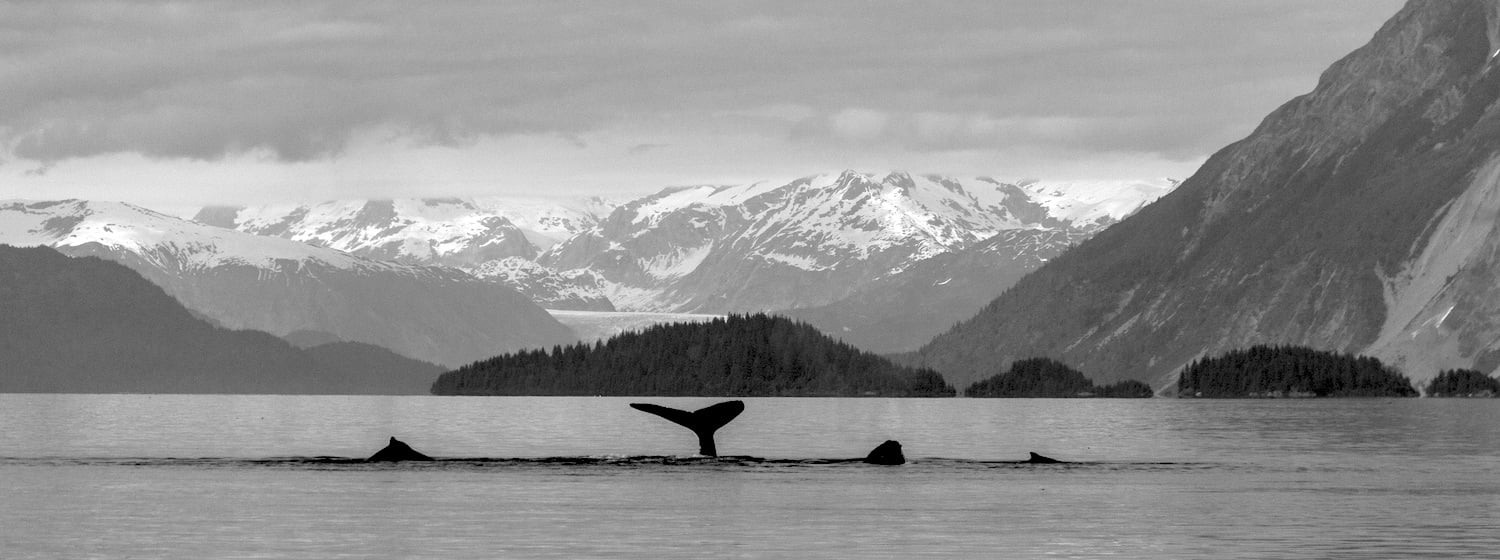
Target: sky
173,105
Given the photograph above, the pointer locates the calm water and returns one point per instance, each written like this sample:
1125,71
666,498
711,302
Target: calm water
151,476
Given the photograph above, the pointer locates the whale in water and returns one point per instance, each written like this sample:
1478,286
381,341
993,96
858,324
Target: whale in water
397,450
703,422
888,453
1041,459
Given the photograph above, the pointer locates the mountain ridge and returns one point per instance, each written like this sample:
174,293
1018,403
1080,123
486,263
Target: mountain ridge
74,325
705,248
1289,236
279,286
763,246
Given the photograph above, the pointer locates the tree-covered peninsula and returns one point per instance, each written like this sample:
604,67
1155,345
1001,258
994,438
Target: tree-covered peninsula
1047,378
742,355
1291,371
1463,383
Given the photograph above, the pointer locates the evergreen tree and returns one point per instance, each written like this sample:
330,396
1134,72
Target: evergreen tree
1463,383
741,355
1291,371
1047,378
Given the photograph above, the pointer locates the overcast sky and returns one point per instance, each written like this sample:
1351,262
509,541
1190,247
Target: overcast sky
175,104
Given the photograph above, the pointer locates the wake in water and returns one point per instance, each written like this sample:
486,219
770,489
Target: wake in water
601,462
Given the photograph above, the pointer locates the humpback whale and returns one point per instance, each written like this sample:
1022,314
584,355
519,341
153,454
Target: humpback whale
703,422
397,450
888,453
1041,459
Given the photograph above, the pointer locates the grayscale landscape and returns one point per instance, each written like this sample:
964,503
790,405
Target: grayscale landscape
1154,279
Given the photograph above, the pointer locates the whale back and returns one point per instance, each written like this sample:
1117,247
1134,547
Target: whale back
888,453
1041,459
397,450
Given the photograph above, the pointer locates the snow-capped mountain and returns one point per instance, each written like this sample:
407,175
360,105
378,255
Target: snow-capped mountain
488,237
1092,204
459,232
247,281
766,246
704,249
573,290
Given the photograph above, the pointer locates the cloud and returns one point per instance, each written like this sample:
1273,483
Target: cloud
639,149
935,131
38,171
300,81
859,125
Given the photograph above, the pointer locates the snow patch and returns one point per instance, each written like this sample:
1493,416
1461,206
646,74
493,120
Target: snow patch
158,237
680,262
795,261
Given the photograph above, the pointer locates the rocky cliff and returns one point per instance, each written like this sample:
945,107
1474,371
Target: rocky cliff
1358,217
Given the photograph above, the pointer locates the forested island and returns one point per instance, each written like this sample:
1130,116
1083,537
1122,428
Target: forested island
741,355
1463,383
1291,371
1047,378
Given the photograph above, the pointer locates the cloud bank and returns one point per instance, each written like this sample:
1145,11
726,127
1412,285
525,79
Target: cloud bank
300,81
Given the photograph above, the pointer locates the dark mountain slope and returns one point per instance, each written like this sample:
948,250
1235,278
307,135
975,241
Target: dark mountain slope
899,313
89,325
1298,234
280,286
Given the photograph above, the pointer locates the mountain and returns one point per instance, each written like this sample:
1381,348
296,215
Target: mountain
901,312
494,238
705,249
594,326
571,290
813,241
749,356
453,231
86,325
280,286
1357,218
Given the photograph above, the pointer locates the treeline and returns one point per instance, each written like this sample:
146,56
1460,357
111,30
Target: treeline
742,355
1047,378
1463,383
1291,371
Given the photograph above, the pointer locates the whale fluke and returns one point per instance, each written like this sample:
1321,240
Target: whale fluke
397,450
888,453
1042,459
704,421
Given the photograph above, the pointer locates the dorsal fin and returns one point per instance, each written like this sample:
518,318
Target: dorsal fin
397,450
1041,459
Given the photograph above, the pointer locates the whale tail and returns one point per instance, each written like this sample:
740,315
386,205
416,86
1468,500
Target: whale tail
703,422
397,450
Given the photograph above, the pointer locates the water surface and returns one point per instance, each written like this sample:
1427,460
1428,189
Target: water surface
198,476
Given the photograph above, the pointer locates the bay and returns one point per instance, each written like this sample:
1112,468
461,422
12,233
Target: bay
208,476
